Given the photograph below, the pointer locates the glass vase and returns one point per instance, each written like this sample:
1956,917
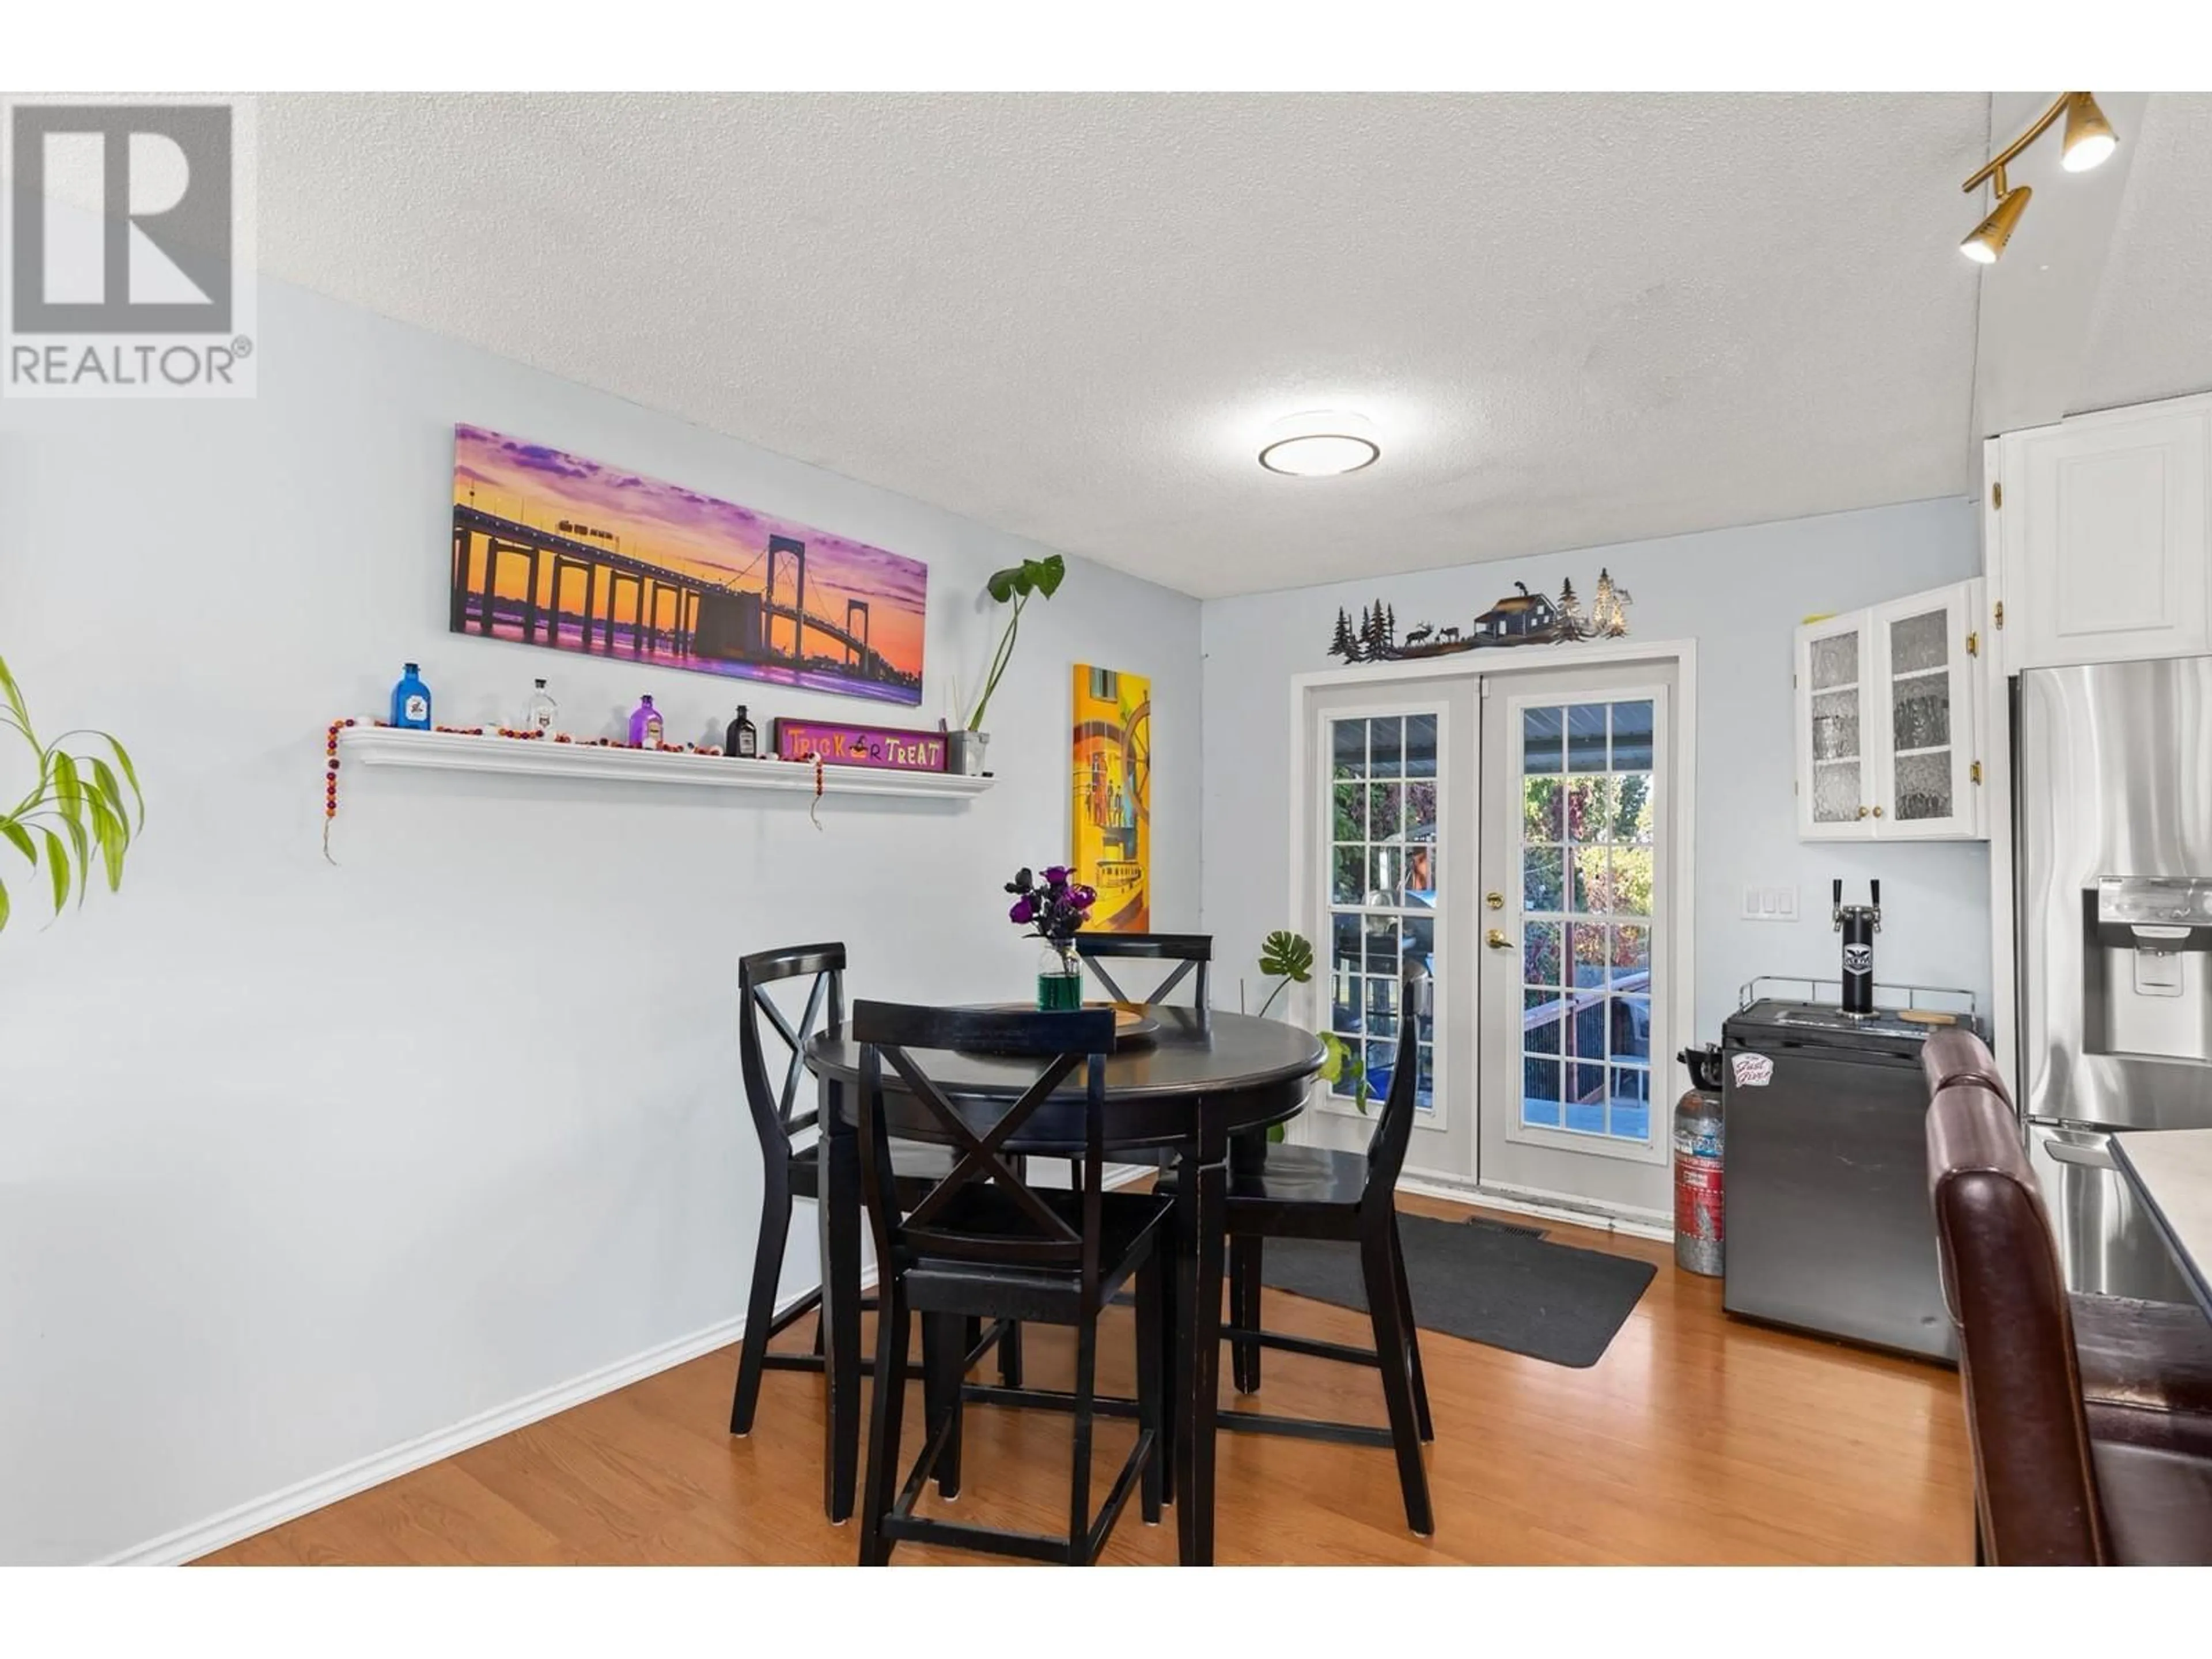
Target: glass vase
1059,980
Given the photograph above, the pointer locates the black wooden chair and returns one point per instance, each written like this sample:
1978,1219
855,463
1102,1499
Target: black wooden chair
984,1245
1190,952
790,1171
1281,1191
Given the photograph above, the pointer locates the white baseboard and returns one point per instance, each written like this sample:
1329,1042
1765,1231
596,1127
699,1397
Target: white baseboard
1637,1223
259,1514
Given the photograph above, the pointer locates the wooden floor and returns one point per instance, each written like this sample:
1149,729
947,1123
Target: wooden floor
1696,1439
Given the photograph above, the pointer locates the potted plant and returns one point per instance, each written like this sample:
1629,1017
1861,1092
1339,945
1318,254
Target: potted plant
74,810
1288,959
1054,909
1015,585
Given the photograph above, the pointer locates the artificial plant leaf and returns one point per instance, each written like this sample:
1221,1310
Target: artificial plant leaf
57,868
4,904
1333,1052
1287,955
129,776
103,777
84,853
107,830
1048,573
19,839
69,792
14,695
1001,584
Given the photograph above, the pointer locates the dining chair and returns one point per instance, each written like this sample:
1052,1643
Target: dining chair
984,1245
1283,1191
1192,954
790,1171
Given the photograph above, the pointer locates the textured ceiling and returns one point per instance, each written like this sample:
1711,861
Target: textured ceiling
2150,335
1576,320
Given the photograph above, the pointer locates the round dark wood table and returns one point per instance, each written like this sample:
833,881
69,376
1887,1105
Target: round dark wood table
1190,1087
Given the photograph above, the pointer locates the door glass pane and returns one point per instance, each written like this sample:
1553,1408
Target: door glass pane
1924,786
1919,643
1836,725
1921,716
1540,740
1836,661
1588,863
1382,899
1836,794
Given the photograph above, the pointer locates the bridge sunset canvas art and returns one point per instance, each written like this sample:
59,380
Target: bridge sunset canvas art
552,549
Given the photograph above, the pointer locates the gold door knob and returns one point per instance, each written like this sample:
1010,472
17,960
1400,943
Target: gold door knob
1863,812
1496,940
1495,900
1877,812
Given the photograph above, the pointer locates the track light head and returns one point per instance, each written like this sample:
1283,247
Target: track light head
1989,237
2089,139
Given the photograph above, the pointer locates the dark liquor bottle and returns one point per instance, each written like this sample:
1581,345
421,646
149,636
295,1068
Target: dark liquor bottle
744,737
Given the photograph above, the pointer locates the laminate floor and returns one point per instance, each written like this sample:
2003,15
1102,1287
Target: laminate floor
1696,1439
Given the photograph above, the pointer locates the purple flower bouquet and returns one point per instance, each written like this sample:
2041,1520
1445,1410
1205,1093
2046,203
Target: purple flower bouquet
1054,909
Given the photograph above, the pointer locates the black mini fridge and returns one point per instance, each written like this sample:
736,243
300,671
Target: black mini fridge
1825,1160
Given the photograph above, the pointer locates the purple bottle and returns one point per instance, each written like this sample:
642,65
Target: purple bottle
645,725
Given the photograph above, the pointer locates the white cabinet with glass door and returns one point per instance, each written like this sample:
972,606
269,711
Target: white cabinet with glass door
1889,720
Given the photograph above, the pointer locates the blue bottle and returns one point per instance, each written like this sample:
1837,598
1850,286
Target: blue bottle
410,701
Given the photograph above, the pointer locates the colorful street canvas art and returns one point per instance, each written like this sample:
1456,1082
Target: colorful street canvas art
1113,796
552,549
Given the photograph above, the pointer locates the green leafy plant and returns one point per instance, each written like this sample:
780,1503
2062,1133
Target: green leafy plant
76,809
1288,959
1016,585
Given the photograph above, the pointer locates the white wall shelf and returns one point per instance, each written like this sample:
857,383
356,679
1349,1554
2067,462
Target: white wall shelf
377,745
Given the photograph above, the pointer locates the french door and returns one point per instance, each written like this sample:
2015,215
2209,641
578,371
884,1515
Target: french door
1577,877
1511,832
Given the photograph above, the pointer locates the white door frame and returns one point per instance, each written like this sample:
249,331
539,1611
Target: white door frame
1499,661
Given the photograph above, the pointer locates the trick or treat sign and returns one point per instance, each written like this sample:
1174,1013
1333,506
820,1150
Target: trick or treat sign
885,748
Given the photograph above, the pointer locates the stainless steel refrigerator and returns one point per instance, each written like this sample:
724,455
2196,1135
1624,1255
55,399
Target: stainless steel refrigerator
2112,839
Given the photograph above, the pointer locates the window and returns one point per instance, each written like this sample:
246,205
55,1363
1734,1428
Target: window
1587,866
1381,903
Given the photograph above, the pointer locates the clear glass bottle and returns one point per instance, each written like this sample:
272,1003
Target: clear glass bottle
645,725
540,711
410,701
742,738
1060,978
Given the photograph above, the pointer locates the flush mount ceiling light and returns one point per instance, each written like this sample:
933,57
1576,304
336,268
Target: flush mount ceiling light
2089,140
1320,444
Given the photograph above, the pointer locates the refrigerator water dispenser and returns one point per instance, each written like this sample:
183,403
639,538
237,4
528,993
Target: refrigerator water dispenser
2148,992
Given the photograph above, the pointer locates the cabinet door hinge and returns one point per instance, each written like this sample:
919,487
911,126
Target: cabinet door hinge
1997,494
1973,645
2000,613
1977,772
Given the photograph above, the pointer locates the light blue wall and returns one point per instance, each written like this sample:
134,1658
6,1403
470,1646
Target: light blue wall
1738,593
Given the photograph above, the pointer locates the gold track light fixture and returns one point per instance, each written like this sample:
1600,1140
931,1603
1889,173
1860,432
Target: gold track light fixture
2089,140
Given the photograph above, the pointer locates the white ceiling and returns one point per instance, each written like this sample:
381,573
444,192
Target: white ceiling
2150,335
1576,320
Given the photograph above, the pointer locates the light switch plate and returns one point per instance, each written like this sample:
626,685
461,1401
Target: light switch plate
1770,904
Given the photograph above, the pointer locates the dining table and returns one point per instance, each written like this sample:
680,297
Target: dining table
2169,1172
1194,1085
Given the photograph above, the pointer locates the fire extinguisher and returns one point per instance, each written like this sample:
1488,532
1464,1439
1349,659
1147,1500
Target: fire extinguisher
1698,1199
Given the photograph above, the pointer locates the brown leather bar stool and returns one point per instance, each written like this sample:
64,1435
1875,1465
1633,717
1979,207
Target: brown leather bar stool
2146,1366
2049,1492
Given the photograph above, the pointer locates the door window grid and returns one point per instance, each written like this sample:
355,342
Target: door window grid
1920,700
1588,866
1383,892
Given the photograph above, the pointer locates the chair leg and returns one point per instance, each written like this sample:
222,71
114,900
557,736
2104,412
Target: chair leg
1078,1494
820,1346
1170,1360
944,1365
1244,1264
1010,1354
1151,1377
1397,1379
1412,1332
760,1306
879,1491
